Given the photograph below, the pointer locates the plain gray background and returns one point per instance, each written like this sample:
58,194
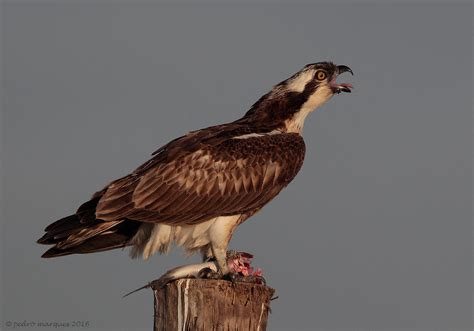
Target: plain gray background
373,234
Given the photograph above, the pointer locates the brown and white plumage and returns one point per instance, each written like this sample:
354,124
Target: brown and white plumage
231,177
198,188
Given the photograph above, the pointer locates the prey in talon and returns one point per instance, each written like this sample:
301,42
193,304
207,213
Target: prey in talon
240,270
198,188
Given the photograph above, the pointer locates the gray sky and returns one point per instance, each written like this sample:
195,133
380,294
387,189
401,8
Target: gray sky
375,231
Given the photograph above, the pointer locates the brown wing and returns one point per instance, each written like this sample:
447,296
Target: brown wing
232,177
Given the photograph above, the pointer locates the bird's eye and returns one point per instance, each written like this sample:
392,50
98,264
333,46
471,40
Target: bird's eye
321,75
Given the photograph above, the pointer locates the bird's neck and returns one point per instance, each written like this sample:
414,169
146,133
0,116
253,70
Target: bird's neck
286,113
295,124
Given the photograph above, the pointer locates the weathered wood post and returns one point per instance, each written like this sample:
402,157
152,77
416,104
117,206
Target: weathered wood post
211,305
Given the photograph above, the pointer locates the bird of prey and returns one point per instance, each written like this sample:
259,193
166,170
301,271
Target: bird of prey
198,188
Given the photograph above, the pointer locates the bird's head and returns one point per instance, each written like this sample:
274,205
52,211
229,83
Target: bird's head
290,101
316,80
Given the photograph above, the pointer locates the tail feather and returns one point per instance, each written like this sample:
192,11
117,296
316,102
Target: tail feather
82,233
57,231
68,222
96,244
90,239
86,233
86,212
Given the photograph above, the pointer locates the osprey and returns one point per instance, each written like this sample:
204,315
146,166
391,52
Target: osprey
198,188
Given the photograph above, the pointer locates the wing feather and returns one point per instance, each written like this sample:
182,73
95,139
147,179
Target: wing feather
233,176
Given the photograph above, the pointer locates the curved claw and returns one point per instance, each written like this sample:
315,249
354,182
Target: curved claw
208,273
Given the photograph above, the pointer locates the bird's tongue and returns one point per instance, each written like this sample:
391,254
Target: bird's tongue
345,87
341,87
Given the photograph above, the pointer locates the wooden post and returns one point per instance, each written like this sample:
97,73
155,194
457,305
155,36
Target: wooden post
211,305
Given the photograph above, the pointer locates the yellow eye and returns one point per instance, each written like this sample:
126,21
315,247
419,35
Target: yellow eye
320,75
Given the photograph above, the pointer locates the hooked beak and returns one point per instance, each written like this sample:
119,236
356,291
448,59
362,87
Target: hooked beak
341,87
343,68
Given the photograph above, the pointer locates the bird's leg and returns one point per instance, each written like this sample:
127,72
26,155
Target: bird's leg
207,272
220,254
220,270
220,233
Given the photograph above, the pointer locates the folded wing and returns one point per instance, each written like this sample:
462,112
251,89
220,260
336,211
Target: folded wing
232,177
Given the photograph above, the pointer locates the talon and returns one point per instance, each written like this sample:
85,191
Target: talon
231,277
208,273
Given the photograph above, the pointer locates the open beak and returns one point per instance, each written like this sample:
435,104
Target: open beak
341,87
